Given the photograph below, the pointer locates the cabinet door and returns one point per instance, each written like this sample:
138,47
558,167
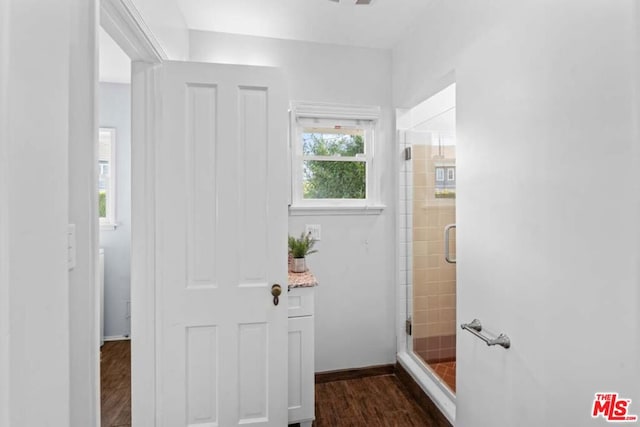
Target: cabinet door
301,367
301,302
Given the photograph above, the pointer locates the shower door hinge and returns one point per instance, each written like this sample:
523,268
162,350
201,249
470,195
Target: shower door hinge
407,326
407,153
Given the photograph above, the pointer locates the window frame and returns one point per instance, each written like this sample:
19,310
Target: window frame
303,115
109,221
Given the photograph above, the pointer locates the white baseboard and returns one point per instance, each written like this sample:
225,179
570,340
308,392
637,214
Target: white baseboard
117,338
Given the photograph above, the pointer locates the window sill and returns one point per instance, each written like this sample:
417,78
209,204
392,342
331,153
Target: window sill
108,227
336,210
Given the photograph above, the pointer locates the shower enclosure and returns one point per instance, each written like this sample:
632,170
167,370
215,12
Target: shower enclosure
428,199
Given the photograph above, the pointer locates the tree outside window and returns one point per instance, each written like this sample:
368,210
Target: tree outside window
334,164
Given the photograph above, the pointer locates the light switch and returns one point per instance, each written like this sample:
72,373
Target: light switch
313,230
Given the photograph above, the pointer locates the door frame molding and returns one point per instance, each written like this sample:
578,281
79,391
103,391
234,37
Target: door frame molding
143,233
124,23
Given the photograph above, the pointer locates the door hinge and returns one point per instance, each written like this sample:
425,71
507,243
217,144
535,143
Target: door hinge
407,153
407,326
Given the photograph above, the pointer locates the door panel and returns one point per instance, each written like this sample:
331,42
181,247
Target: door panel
252,171
253,356
201,184
202,375
220,245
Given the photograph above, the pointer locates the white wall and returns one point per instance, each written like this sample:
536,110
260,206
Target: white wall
115,112
166,22
40,337
355,264
37,134
114,64
547,245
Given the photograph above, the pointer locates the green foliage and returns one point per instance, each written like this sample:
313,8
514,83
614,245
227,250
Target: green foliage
102,204
334,179
299,248
326,144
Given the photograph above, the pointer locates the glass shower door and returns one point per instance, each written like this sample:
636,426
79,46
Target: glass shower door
432,184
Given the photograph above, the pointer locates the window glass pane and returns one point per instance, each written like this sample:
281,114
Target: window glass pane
104,147
338,141
105,159
334,180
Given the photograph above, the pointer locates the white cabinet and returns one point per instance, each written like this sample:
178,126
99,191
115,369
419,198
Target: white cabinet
301,357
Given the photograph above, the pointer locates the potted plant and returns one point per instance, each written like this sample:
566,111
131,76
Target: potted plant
299,249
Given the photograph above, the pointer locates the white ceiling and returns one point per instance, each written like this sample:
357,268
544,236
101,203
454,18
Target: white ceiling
114,65
379,25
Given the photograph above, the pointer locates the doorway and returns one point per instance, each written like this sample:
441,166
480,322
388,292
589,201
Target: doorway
114,216
428,203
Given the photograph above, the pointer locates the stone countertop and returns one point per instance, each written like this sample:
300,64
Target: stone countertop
302,280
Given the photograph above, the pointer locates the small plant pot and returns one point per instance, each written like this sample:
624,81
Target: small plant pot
299,265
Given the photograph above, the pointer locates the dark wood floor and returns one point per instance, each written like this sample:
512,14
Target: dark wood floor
378,401
115,377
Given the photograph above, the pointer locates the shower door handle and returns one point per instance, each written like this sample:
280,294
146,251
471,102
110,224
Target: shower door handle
447,235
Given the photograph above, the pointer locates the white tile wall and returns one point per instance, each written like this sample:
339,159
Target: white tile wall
405,252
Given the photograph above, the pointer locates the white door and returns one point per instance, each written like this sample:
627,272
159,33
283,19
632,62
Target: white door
221,214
